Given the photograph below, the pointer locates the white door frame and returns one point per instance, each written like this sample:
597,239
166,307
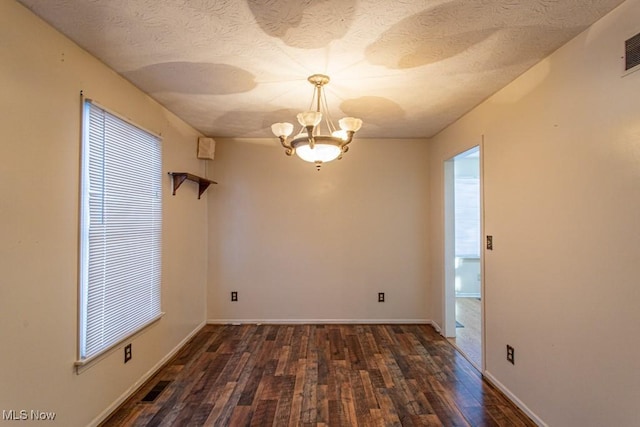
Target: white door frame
449,300
449,294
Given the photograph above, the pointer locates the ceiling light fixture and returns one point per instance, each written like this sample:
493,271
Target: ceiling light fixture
318,141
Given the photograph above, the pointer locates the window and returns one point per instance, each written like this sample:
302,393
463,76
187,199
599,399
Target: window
121,218
467,204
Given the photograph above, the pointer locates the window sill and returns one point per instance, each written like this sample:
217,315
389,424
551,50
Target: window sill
82,365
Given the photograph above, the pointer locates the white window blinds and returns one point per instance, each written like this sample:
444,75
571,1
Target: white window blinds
120,230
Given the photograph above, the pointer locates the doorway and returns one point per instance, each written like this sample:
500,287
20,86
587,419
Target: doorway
463,271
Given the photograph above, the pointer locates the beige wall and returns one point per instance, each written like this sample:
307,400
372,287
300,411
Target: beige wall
562,200
301,245
41,76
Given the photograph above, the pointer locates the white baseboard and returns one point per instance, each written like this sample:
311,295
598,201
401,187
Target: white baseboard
435,326
127,394
536,419
317,321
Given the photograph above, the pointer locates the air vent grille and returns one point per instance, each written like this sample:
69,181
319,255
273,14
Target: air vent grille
632,52
155,391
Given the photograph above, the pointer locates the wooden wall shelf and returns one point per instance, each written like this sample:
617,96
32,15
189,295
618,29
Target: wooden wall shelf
180,177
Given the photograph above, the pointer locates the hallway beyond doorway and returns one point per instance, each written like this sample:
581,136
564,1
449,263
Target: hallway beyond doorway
468,333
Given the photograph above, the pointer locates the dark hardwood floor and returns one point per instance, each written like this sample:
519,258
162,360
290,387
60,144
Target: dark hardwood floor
318,375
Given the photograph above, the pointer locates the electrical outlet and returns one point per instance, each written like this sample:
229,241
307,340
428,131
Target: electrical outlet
234,296
127,353
511,355
489,243
380,296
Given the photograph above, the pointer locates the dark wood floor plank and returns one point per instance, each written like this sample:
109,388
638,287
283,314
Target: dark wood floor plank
272,332
298,388
309,393
383,368
336,343
283,358
357,359
347,400
360,400
318,375
389,412
336,414
283,411
369,397
241,416
322,413
421,403
265,413
323,354
250,389
218,409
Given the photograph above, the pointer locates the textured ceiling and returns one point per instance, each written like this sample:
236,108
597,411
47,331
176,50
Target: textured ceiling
408,68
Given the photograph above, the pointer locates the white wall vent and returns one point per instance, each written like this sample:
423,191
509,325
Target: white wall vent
632,54
206,148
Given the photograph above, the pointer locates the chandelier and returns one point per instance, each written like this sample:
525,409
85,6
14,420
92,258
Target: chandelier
318,141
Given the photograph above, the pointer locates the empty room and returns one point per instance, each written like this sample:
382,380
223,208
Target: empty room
327,213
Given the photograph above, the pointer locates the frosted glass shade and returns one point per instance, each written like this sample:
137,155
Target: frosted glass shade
320,152
342,134
282,129
350,124
309,118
